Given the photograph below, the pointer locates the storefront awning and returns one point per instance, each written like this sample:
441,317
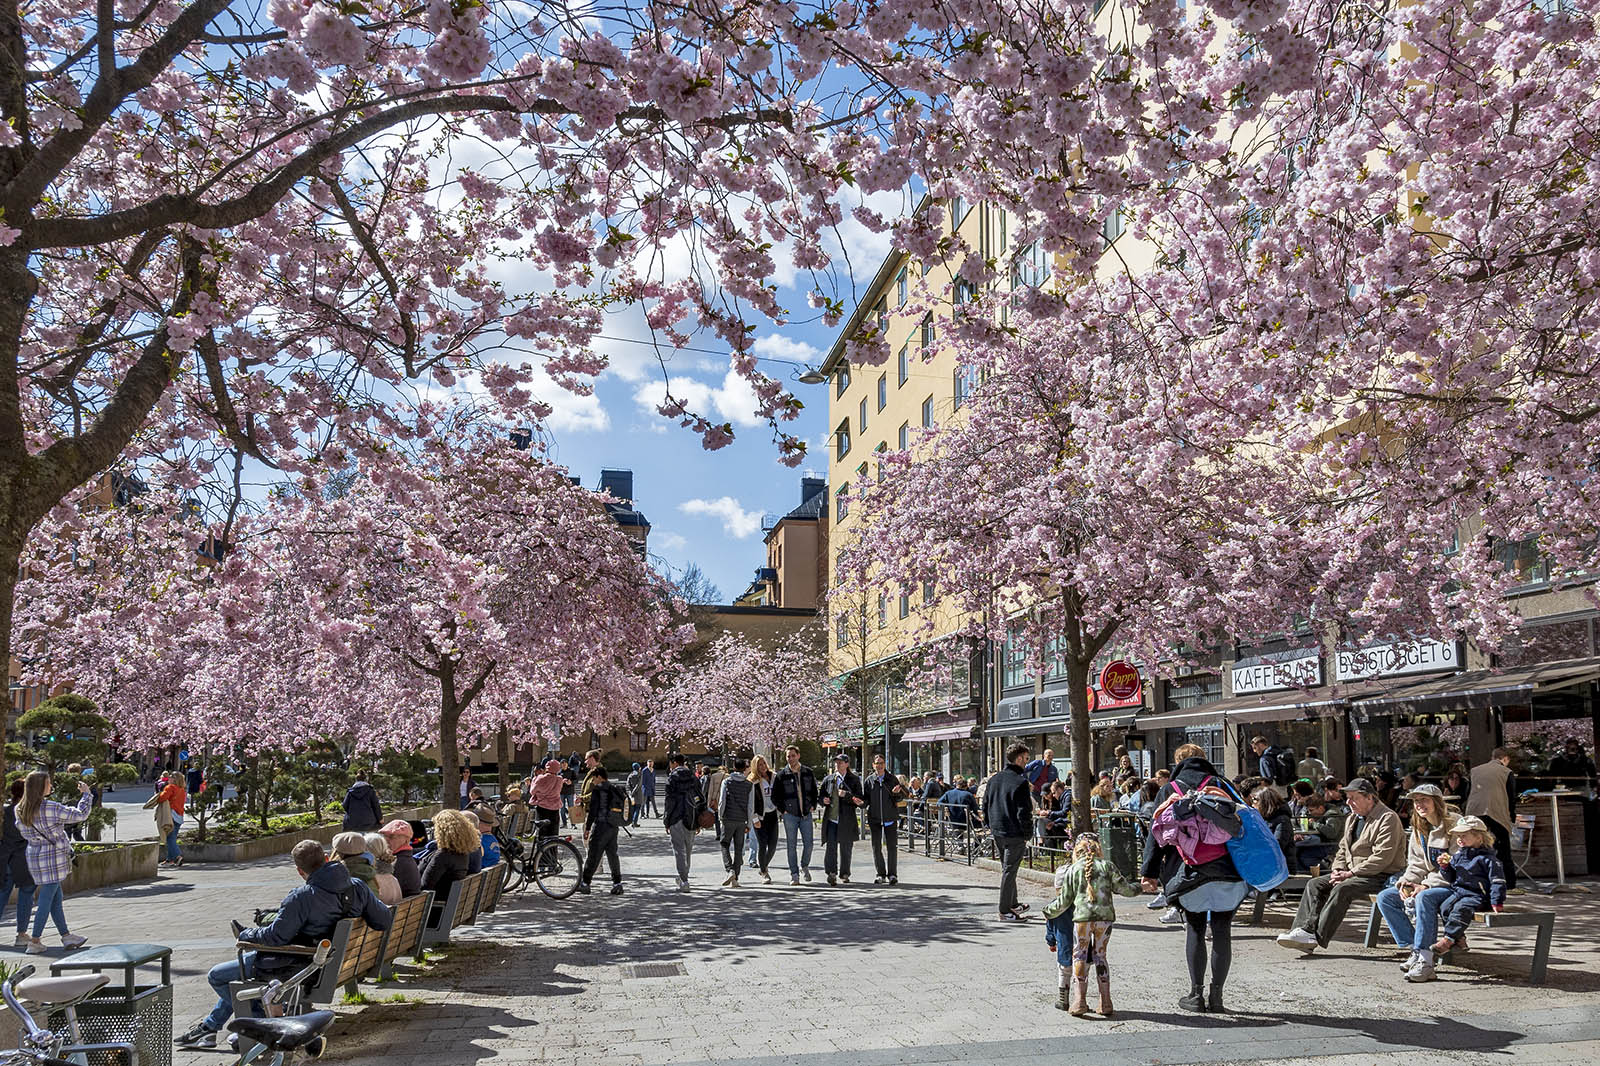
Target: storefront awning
931,734
1285,706
1113,720
1477,689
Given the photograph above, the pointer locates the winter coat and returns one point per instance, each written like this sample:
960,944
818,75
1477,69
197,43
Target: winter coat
883,806
1477,872
1073,897
636,787
546,791
683,798
739,802
792,787
406,872
1379,848
847,787
1008,804
440,869
361,811
1423,851
309,913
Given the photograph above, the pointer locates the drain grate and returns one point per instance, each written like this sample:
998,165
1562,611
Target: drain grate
654,969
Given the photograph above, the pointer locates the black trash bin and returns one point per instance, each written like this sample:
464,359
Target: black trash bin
124,1011
1119,840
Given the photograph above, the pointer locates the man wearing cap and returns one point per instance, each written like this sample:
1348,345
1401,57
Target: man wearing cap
1372,846
841,795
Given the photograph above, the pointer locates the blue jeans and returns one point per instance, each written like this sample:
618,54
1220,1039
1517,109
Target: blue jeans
797,827
1058,934
24,898
1426,930
173,854
219,977
755,848
47,905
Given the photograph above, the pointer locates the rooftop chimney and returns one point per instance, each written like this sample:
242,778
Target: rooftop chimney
810,486
618,483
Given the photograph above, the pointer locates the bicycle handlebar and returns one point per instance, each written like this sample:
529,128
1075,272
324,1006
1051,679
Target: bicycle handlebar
8,990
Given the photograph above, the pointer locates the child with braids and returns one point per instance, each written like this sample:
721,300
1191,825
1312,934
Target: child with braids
1085,899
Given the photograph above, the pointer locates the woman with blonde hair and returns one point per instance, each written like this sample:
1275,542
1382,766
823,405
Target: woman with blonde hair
764,834
1410,906
457,852
43,824
384,881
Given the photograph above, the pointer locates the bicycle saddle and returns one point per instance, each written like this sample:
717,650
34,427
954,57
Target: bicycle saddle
56,991
284,1034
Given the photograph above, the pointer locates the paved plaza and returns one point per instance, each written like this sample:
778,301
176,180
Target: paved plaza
921,973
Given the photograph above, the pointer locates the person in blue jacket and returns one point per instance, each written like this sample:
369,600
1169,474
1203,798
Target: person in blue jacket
1477,881
306,916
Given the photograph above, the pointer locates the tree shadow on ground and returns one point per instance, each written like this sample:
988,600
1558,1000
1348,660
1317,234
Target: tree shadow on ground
147,890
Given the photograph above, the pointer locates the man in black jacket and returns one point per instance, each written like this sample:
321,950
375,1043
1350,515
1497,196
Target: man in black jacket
883,812
1008,809
794,795
841,795
361,811
603,818
683,806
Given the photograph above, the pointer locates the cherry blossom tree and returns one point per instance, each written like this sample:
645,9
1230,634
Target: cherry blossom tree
739,692
471,588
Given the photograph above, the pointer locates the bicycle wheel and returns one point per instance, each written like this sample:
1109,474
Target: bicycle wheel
557,868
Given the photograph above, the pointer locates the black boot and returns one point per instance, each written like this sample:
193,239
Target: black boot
1214,1000
1194,1001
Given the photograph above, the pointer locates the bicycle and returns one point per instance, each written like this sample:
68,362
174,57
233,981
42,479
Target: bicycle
285,1031
554,863
38,1046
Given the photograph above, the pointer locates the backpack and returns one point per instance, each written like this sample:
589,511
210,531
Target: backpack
1255,852
1198,839
1280,761
610,803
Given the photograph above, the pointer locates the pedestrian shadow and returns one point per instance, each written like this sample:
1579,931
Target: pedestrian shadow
1176,1019
143,891
1432,1034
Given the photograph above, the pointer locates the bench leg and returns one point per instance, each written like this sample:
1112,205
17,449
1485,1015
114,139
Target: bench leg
1372,926
1541,951
1260,910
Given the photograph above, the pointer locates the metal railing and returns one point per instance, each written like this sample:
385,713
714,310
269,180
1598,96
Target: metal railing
942,832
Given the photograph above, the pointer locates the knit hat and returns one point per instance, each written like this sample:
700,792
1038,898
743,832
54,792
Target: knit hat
398,834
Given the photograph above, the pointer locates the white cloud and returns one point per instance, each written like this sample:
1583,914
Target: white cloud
736,521
779,346
733,400
670,542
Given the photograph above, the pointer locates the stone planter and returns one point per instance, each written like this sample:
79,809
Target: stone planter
282,843
99,867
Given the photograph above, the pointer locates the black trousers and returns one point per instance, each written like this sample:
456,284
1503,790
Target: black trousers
602,839
733,841
1502,848
836,851
766,840
884,838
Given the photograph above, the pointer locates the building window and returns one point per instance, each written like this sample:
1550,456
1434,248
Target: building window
842,440
902,287
841,502
958,212
1194,692
927,413
905,605
841,630
965,292
1031,268
927,592
861,409
881,316
1112,227
883,391
638,741
841,380
928,334
1015,672
1524,559
905,435
905,363
882,447
883,609
967,378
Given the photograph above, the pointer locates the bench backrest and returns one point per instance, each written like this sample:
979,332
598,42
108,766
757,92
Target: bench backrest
494,883
405,930
471,899
354,954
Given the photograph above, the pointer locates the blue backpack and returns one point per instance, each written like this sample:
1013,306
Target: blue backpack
1255,851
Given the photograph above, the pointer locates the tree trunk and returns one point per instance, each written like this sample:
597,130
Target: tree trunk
503,757
861,692
1083,773
449,753
10,561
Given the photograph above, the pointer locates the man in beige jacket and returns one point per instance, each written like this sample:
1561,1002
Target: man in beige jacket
1372,848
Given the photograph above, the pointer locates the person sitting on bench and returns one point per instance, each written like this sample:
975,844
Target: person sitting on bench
306,916
1372,847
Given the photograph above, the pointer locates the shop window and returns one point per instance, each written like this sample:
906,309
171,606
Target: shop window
1533,644
1188,693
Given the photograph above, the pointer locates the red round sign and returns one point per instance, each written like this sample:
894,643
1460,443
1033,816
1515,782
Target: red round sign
1120,680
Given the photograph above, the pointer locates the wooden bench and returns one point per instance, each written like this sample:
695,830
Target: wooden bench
355,952
1294,885
405,932
1542,921
494,883
460,907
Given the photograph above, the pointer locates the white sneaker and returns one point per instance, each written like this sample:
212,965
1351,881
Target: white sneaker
683,886
1157,903
1422,971
1174,916
22,940
36,947
73,940
1300,940
1411,960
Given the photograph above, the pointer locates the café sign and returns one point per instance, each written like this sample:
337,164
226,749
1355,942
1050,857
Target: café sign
1120,685
1396,659
1297,668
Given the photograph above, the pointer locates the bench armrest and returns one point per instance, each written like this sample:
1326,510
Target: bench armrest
276,949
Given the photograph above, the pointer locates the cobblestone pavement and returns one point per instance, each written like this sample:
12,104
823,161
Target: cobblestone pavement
918,973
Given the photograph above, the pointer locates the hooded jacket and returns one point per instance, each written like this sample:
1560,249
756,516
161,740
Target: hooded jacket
1008,803
1477,873
309,913
683,798
361,810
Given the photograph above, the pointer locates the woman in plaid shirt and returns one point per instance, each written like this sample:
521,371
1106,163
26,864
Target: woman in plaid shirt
43,825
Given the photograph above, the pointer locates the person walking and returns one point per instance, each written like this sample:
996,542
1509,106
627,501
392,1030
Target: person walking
682,817
740,804
764,834
1492,796
14,866
794,795
1206,891
647,782
841,795
465,786
883,792
635,794
42,823
362,814
1084,897
1008,810
605,813
171,793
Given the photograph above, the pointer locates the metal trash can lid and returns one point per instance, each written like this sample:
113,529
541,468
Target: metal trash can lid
112,955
